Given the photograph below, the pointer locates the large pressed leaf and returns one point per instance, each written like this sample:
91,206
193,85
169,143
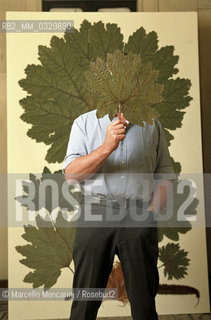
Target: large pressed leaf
170,119
59,92
143,44
124,80
78,43
64,66
50,250
105,39
173,227
175,261
175,94
92,41
47,188
164,61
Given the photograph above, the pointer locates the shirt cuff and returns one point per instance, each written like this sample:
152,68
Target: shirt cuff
165,176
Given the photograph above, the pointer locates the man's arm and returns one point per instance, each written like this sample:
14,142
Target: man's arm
85,166
164,173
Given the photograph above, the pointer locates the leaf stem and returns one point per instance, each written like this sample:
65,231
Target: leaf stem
71,269
120,111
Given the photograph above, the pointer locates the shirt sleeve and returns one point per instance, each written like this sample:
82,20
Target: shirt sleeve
164,169
77,143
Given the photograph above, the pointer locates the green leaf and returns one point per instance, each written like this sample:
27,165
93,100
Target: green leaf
43,197
176,166
175,94
173,227
171,119
175,261
124,80
143,44
172,233
59,94
175,98
50,250
92,41
78,43
146,46
50,124
168,135
105,40
164,61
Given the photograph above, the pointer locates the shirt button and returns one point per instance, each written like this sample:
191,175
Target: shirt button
123,177
122,147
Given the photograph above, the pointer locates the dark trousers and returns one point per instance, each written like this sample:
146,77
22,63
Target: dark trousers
136,246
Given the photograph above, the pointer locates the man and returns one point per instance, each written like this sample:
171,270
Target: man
108,158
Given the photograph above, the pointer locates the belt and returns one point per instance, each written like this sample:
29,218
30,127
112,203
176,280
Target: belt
115,203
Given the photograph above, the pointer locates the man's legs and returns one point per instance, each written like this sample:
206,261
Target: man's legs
93,255
137,249
138,254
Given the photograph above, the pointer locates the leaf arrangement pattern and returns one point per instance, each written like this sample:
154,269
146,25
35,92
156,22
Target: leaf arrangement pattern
59,91
92,68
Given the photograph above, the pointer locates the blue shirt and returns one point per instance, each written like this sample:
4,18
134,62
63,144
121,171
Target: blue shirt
129,171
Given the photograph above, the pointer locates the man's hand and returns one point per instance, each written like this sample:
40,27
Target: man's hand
115,133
